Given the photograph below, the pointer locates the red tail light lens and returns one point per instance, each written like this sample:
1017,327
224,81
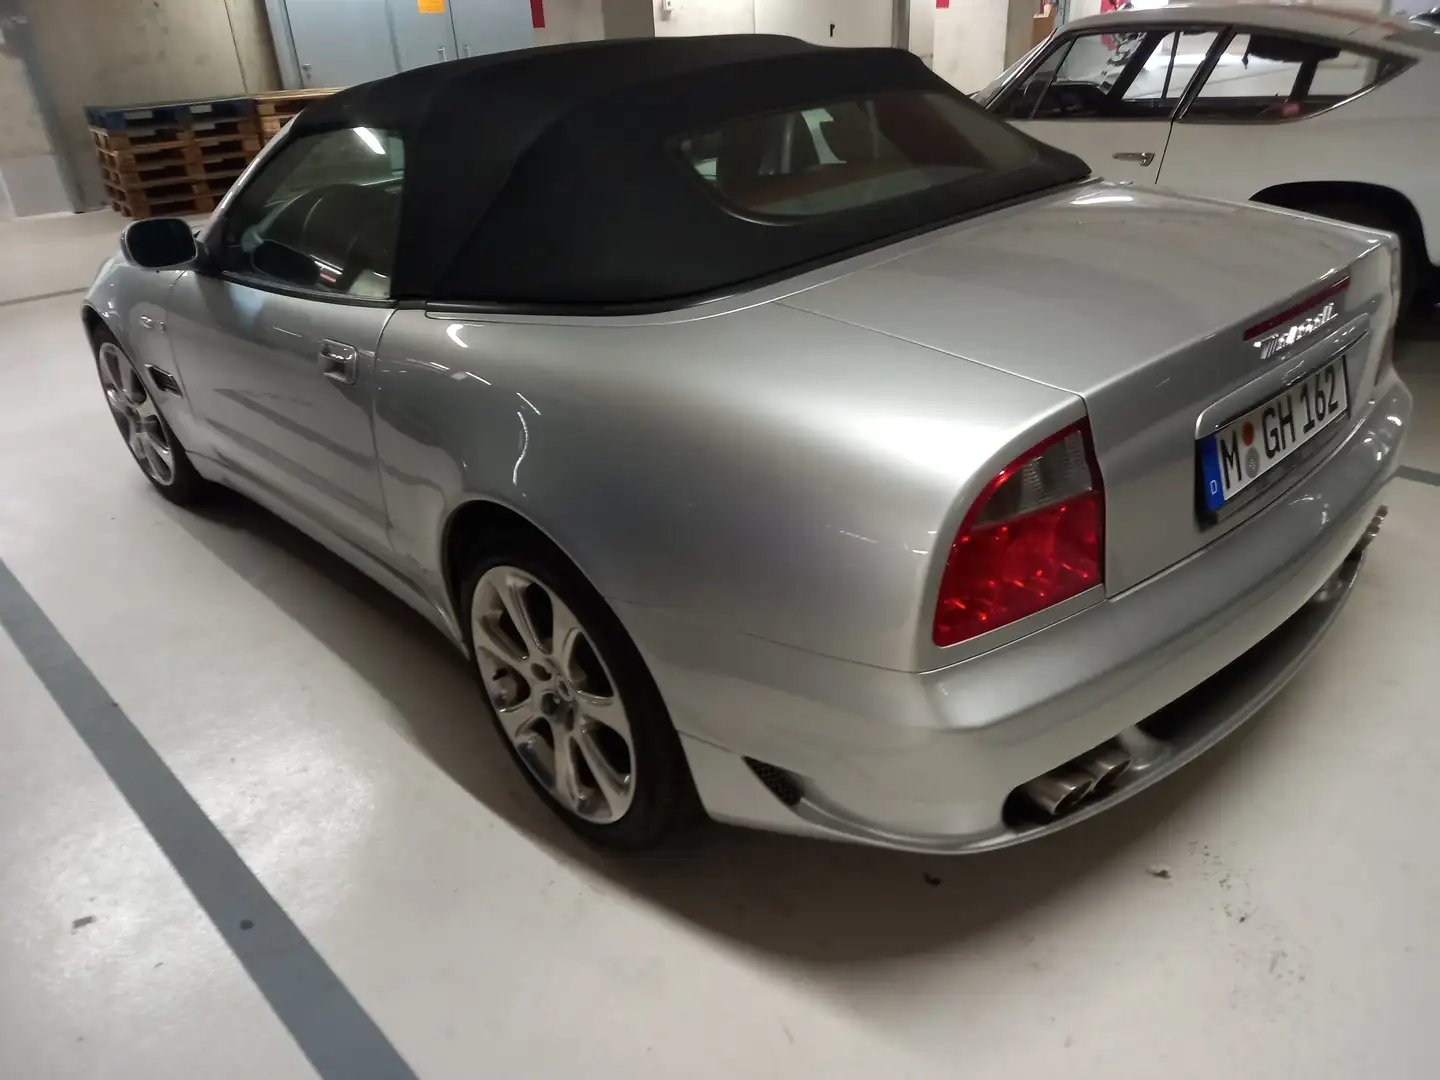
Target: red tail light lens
1033,538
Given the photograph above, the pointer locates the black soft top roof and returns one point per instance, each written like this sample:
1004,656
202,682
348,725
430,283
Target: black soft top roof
543,176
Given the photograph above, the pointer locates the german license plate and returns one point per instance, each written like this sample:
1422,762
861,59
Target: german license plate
1247,448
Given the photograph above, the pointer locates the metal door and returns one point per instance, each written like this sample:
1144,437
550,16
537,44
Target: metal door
490,26
1122,150
341,42
423,32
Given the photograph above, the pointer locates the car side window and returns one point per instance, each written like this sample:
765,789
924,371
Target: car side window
1171,66
323,215
1266,77
1018,102
1134,75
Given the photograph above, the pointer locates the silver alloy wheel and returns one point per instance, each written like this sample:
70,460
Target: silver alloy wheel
136,415
554,694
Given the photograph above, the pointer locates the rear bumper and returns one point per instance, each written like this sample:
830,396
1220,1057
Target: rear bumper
927,761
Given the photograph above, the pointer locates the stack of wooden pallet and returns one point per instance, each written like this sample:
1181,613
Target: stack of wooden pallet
177,158
276,110
181,157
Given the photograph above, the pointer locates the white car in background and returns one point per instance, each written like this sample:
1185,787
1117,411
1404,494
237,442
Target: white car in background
1330,112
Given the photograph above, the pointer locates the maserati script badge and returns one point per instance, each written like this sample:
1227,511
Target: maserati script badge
1273,343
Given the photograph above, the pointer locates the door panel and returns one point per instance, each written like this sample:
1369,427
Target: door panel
1109,98
250,361
489,26
341,42
1098,142
422,35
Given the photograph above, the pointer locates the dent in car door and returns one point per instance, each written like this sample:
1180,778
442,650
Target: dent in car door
284,386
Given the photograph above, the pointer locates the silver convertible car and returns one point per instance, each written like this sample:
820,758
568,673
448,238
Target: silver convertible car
779,435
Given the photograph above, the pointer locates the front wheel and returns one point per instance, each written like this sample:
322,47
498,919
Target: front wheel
143,427
573,701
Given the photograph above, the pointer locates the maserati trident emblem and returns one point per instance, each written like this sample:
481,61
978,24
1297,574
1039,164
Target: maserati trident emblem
1283,339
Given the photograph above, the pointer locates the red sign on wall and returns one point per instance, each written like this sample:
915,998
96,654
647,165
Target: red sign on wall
537,14
942,3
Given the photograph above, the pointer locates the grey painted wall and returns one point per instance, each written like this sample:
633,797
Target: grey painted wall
120,52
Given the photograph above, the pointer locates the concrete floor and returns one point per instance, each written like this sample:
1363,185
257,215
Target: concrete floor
1271,912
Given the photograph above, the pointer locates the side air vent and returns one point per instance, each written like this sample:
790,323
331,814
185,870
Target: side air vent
781,784
164,380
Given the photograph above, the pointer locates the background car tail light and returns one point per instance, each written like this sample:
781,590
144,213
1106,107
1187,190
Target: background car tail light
1033,538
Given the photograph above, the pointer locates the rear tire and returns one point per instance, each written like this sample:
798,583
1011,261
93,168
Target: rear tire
147,434
582,718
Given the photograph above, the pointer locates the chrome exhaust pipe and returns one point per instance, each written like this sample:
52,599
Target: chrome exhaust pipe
1104,767
1059,792
1373,529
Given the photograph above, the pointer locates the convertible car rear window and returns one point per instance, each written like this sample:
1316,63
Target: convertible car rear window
850,153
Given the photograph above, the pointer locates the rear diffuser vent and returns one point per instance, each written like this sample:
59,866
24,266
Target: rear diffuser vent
780,783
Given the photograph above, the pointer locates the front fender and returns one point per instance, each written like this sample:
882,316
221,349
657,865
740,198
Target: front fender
130,303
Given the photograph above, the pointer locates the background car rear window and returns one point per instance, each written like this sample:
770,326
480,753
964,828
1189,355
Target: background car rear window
844,155
1274,77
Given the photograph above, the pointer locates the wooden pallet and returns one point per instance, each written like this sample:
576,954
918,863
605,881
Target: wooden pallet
177,152
287,103
221,169
172,197
181,157
169,136
171,207
170,114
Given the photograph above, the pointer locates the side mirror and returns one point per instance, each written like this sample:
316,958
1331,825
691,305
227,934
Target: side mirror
159,243
284,263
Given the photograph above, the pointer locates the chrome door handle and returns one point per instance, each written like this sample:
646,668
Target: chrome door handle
338,361
440,52
465,52
1133,155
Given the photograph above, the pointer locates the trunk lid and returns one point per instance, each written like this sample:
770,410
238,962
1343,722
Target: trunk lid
1138,301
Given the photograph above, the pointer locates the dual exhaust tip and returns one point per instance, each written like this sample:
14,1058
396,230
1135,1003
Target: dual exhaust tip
1061,791
1373,529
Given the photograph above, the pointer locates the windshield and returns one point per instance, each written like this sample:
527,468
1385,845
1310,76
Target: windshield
987,95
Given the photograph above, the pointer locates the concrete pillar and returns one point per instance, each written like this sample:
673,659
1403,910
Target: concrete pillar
970,39
33,179
922,30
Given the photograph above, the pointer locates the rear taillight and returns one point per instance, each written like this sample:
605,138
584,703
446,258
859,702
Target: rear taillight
1033,538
